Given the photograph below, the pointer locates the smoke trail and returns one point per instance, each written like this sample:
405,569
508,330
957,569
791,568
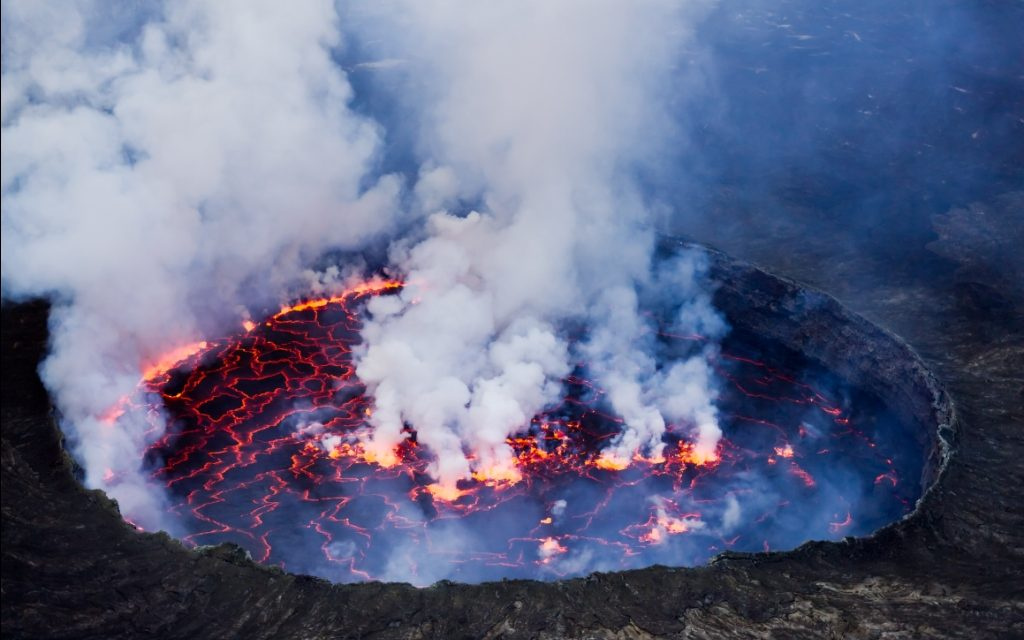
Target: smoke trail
540,114
158,172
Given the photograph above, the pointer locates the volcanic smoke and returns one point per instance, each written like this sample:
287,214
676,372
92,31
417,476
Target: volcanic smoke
529,390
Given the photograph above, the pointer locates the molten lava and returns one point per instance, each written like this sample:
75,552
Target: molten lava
262,447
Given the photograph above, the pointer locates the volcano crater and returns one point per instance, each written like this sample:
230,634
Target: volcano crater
828,433
776,316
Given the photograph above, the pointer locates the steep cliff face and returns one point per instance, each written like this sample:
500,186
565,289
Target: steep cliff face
72,568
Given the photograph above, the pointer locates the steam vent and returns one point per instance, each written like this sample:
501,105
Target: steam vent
546,320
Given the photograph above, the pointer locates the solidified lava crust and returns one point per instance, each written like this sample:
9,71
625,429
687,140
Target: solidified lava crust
73,568
262,450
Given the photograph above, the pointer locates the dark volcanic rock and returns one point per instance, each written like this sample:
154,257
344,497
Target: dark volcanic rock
986,240
73,569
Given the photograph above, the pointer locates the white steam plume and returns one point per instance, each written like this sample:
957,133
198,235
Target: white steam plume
157,176
621,352
539,112
161,172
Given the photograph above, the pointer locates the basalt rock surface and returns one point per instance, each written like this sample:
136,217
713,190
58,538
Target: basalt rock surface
72,568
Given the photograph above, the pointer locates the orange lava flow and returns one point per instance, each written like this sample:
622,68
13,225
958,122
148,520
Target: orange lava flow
167,361
371,287
180,355
268,445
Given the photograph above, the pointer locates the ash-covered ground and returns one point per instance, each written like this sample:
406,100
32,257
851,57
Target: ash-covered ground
72,568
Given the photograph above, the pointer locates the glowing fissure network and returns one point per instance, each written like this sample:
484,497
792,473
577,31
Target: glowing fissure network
263,448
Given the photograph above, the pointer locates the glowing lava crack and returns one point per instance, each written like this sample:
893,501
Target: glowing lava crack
261,448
